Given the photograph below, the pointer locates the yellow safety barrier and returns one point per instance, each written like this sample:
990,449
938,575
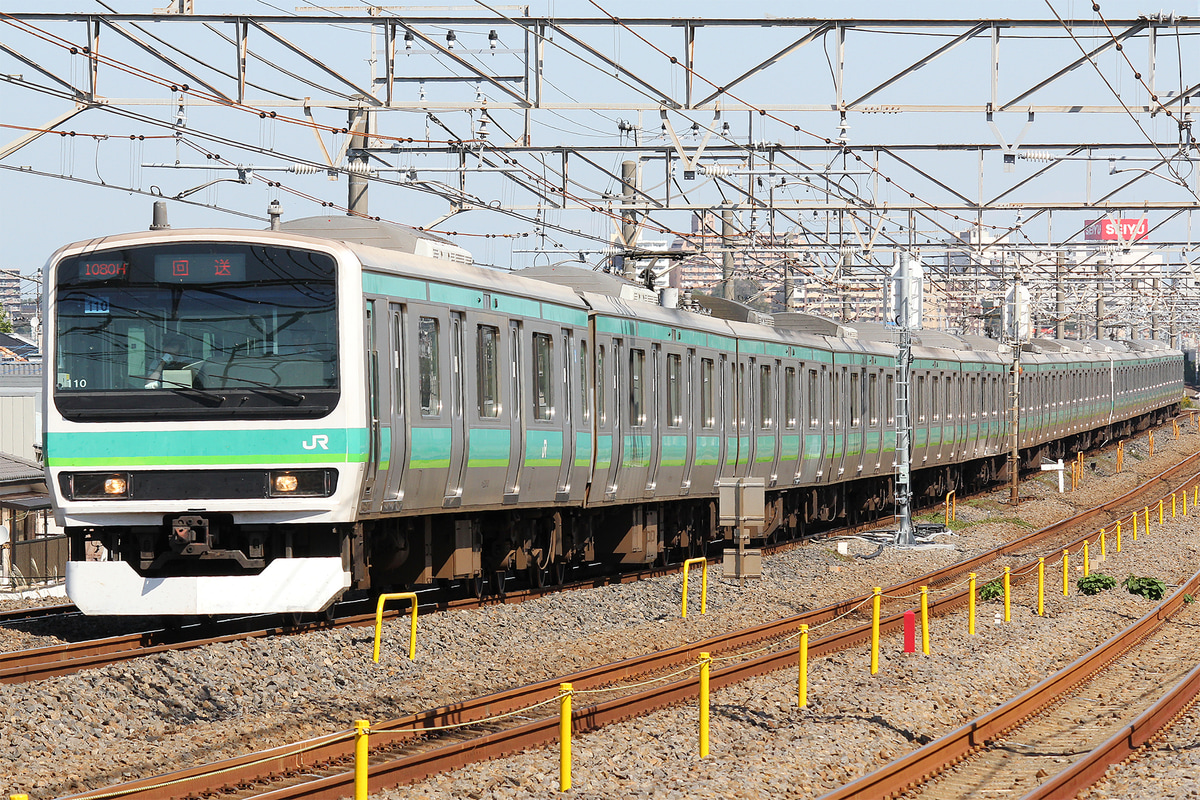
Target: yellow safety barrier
1086,571
1103,547
1184,501
925,620
803,668
1135,516
412,636
705,661
971,606
1118,536
875,631
362,748
1146,510
951,507
1066,577
564,737
1160,511
1007,595
703,584
1174,498
1041,587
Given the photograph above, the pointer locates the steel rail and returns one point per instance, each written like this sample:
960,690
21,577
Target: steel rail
338,747
920,765
41,612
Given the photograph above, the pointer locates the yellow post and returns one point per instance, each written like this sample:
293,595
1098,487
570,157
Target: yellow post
1175,425
1103,547
875,631
1007,594
1120,455
1066,578
1174,497
1160,511
951,507
1184,501
362,729
18,797
412,635
1118,536
1086,571
971,606
803,699
1151,442
925,620
703,584
564,737
1196,495
1041,587
705,661
1135,516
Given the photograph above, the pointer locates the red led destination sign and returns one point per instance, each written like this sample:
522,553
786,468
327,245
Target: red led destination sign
200,268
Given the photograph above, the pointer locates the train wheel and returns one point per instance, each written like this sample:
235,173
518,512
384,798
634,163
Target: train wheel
558,572
537,576
498,579
478,586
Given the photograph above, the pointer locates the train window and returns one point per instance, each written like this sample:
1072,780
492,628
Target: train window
429,357
739,380
936,410
789,396
707,393
873,398
813,407
920,398
397,358
855,400
486,358
637,387
833,408
889,399
543,377
766,397
949,402
567,352
674,390
586,392
601,394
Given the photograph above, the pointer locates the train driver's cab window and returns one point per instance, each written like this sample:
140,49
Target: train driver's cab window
708,392
543,377
637,387
489,371
429,358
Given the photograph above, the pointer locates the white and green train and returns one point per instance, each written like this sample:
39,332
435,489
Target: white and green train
258,421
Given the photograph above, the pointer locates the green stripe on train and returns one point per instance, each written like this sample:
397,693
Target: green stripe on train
543,448
215,447
488,447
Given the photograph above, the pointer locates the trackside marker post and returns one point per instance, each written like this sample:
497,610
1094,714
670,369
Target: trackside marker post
1007,594
564,737
875,631
705,663
703,584
925,620
1118,536
412,636
1041,587
362,748
971,606
1066,578
803,699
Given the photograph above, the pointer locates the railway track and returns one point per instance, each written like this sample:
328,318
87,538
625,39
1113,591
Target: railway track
16,615
409,748
1060,736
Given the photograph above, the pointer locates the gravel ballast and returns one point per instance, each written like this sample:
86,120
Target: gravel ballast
176,709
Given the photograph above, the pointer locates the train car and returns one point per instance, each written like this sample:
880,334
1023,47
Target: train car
259,421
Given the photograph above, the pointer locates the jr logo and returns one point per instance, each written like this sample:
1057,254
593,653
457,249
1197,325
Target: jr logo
318,439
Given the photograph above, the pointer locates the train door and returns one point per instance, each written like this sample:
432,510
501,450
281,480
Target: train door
617,412
811,430
398,429
688,419
374,434
454,475
516,415
705,465
431,439
566,356
488,410
725,416
852,459
654,413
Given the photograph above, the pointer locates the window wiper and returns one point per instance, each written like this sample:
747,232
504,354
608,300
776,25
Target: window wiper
177,386
266,387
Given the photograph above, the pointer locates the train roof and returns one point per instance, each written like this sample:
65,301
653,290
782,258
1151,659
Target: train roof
377,233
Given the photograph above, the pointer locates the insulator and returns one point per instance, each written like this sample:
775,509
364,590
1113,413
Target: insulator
714,169
358,168
304,169
1036,155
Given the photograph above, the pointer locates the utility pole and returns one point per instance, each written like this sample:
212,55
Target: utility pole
628,219
358,156
727,252
1014,458
905,536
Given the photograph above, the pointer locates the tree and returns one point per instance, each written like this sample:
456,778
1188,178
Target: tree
6,325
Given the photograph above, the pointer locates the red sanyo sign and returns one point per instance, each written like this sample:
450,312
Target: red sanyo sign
1116,230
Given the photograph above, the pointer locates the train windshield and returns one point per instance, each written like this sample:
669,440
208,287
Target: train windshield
196,330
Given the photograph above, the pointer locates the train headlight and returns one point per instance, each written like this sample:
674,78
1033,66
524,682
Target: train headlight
96,485
301,482
284,484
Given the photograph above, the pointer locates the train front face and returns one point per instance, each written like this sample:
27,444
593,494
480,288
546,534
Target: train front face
202,441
